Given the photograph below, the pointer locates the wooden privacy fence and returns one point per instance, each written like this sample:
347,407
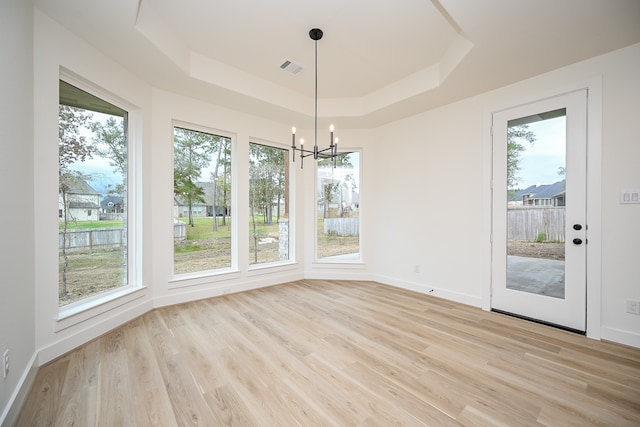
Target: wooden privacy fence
89,239
525,223
92,238
349,226
179,230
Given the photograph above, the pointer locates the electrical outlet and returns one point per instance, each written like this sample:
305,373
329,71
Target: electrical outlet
5,363
633,306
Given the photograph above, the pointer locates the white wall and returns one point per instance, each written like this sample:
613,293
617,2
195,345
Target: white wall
621,171
426,173
437,216
16,172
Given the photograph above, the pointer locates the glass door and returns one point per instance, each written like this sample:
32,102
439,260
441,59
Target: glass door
539,229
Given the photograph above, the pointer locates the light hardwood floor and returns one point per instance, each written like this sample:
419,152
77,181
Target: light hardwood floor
336,353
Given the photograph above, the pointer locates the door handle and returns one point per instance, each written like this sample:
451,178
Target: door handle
577,241
577,227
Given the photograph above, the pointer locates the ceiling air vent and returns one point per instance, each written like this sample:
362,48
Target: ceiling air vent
291,67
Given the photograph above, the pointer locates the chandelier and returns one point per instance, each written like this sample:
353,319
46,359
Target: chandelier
331,152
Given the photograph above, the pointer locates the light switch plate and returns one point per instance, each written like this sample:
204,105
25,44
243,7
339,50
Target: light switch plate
629,196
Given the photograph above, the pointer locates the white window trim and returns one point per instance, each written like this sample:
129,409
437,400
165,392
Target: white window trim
82,310
197,278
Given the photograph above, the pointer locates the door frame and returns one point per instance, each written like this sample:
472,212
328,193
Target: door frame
521,95
569,311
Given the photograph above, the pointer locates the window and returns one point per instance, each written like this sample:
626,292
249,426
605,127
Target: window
268,204
338,208
93,159
202,201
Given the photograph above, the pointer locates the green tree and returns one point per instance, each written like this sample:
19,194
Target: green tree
191,153
517,137
110,142
266,184
222,146
267,176
73,147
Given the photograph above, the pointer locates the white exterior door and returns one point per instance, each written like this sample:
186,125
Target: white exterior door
539,224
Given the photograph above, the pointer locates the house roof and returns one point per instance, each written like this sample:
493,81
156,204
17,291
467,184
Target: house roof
114,200
79,186
379,61
546,191
82,204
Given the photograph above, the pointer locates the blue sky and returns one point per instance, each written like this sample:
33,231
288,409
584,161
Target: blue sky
540,162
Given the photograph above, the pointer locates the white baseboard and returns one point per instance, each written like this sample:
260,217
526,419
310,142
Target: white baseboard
338,275
473,300
11,412
620,336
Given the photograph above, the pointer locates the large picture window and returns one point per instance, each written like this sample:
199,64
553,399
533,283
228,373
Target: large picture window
268,204
92,195
338,208
202,201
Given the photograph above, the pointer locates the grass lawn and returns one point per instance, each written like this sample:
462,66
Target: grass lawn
79,225
203,228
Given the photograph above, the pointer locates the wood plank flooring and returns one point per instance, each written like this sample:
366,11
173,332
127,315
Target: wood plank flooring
336,353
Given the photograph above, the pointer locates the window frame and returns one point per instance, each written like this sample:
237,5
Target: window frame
254,268
199,277
359,260
84,309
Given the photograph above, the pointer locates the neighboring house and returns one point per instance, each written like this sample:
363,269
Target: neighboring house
199,209
181,208
112,207
540,195
83,202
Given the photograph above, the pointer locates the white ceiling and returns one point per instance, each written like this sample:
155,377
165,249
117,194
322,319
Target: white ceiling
379,60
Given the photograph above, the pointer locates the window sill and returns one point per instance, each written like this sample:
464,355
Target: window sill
202,278
257,269
339,263
93,306
348,259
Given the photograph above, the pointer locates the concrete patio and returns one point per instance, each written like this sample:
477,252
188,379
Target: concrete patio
536,275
